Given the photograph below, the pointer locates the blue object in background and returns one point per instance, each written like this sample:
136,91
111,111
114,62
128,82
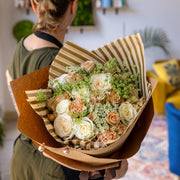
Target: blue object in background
106,3
123,2
173,120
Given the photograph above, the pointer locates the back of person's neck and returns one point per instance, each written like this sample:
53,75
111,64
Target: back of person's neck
59,33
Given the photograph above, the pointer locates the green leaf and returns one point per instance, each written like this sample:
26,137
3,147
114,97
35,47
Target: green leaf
41,96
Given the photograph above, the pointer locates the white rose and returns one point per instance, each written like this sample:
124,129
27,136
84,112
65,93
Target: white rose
127,112
82,93
63,126
61,80
101,82
63,106
84,129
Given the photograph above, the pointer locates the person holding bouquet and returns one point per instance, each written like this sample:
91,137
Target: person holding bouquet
33,52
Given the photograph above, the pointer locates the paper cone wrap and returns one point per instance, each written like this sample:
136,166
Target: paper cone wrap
129,49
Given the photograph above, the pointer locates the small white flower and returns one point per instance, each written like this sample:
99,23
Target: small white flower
82,93
61,80
84,129
127,112
63,106
63,126
101,82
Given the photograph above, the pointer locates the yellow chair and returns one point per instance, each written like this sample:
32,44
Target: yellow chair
165,90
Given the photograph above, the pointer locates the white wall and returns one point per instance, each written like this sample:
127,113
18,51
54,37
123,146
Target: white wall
141,13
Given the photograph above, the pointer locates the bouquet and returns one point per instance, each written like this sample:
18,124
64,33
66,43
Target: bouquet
92,105
88,105
93,100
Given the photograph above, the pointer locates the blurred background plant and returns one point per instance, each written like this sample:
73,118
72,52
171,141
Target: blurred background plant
84,15
154,37
156,45
22,28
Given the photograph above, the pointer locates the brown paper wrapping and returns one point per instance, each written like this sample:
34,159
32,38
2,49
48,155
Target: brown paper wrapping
32,125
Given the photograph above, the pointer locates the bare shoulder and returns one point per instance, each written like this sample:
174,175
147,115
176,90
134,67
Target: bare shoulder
29,42
32,42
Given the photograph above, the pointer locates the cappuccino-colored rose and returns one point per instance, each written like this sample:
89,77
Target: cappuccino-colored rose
76,107
113,118
72,76
113,98
107,136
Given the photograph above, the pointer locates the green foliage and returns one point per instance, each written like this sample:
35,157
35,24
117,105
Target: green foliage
123,83
154,37
22,28
84,15
41,96
1,134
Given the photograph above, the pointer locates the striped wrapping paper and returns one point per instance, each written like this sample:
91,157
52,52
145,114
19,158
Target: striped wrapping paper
129,49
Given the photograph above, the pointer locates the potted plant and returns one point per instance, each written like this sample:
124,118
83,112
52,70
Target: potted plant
22,28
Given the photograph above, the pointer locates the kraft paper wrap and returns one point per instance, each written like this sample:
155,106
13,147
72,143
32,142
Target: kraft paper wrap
32,125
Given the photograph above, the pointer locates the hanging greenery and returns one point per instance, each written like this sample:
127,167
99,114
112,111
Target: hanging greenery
84,15
154,37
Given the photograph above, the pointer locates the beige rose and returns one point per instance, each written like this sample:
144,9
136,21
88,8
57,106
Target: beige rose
84,129
63,126
100,82
127,112
63,106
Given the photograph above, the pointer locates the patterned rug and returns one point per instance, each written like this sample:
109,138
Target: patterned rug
151,161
